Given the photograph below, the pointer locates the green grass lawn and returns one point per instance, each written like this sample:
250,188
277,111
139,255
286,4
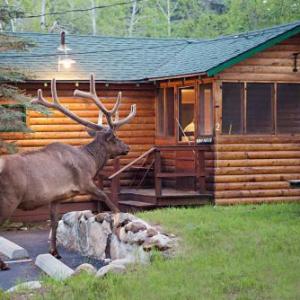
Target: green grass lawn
239,252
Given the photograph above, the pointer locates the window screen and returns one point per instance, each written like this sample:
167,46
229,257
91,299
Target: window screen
288,108
160,112
259,108
232,108
170,111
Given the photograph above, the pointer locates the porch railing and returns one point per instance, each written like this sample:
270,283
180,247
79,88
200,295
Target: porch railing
198,171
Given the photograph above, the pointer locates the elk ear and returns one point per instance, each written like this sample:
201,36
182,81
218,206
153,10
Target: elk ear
91,133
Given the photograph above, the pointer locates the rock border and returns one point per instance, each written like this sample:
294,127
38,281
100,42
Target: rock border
12,250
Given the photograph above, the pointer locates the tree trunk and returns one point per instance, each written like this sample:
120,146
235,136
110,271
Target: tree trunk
169,17
132,18
94,18
12,23
43,17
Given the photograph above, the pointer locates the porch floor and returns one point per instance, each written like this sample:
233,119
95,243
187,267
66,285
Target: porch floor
145,198
166,192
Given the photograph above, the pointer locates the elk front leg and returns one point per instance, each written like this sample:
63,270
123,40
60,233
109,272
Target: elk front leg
3,266
54,223
95,191
6,210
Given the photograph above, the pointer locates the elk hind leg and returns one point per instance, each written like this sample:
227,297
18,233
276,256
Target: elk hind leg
95,191
54,223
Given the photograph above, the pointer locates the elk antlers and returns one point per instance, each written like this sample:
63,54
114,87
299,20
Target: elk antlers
113,124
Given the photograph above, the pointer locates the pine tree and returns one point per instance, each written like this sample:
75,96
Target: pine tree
12,116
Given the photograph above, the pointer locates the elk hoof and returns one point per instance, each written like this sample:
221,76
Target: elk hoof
55,254
4,267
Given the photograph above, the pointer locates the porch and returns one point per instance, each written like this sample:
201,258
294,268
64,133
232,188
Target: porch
157,183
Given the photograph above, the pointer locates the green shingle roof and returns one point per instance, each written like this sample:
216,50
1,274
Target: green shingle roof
140,59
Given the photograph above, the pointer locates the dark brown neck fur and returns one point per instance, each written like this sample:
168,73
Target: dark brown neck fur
98,152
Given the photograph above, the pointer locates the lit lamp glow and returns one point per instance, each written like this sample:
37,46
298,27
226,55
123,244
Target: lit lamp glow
64,61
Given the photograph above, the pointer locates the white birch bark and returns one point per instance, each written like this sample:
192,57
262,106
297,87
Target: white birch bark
12,23
167,12
43,17
132,18
94,18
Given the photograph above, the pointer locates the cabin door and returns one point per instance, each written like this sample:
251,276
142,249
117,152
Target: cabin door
186,129
195,125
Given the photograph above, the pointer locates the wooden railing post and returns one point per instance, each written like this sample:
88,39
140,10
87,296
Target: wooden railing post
157,170
115,183
200,166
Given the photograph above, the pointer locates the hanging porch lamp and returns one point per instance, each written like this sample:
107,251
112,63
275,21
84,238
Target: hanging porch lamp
64,61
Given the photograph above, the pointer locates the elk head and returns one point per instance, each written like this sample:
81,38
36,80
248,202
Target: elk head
103,135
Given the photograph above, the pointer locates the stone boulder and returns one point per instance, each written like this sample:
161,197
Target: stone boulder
121,237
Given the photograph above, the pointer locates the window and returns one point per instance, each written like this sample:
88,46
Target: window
288,108
12,118
232,108
206,110
165,112
186,114
266,108
259,116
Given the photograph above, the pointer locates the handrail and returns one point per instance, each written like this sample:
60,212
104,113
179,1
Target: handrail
183,147
132,163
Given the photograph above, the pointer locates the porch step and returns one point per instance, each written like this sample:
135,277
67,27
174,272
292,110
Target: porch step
178,174
146,199
138,204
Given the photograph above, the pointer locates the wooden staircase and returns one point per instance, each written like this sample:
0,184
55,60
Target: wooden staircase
141,197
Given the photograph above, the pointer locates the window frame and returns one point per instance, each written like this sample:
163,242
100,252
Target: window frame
274,112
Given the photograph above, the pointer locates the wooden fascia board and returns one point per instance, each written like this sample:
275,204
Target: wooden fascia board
215,70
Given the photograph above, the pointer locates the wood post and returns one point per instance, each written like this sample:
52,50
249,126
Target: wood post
115,183
200,170
157,170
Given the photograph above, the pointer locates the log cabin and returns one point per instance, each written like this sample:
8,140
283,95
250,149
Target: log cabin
218,120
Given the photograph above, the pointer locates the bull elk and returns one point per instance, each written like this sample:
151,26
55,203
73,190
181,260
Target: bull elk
58,171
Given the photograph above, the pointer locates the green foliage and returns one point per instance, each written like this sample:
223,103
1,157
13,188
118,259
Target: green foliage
187,18
240,252
12,118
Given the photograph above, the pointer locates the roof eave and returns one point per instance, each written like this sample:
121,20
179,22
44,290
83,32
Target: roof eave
269,43
175,76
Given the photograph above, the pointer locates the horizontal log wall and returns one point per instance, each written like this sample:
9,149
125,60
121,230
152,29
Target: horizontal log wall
252,169
257,168
275,63
138,134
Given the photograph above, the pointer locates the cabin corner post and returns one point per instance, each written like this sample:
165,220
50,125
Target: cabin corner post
217,105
